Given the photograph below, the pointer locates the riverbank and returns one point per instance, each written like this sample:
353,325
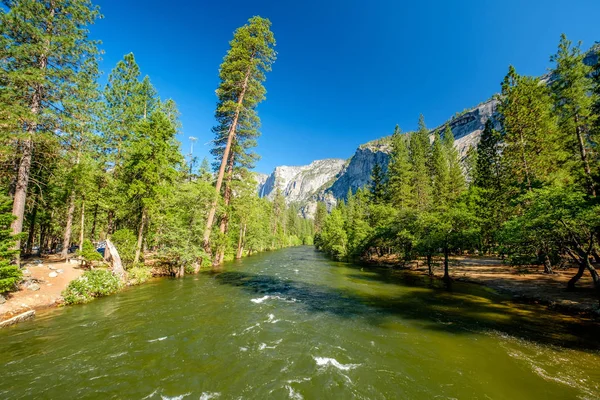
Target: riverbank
42,286
524,283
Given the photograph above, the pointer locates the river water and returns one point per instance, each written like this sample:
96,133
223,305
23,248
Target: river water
292,324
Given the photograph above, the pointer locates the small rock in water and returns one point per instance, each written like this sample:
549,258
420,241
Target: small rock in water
53,274
34,286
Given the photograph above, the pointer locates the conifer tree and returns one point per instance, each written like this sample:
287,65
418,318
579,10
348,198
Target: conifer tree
456,177
573,90
43,45
488,165
439,172
530,130
419,158
377,185
10,274
320,215
242,75
400,172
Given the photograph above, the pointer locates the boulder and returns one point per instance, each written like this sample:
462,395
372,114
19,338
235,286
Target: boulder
2,299
33,286
53,274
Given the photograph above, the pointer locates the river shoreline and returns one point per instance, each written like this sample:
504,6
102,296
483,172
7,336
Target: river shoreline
526,284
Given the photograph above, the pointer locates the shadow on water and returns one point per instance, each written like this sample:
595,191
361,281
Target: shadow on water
464,309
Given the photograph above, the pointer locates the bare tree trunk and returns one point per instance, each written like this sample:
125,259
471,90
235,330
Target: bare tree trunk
547,265
240,247
138,248
110,223
67,234
429,266
82,230
583,155
224,160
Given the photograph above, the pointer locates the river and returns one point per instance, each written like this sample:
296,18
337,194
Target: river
292,324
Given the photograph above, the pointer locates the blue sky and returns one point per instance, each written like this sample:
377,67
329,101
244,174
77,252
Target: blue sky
347,71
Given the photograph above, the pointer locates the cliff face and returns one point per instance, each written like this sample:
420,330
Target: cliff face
298,184
341,176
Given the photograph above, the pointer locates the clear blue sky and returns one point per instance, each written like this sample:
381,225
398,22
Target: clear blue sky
347,71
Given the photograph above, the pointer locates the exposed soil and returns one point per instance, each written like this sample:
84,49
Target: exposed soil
50,288
525,283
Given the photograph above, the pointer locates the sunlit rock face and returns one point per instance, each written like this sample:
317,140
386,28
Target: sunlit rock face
298,184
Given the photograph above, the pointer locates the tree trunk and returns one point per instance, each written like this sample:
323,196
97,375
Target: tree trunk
94,218
583,154
429,266
28,248
446,272
547,265
110,223
67,235
224,226
240,248
578,275
224,160
82,229
140,239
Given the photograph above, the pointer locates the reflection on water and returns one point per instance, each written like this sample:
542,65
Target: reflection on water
292,324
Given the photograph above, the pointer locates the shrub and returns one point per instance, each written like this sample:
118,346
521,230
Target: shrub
89,253
10,274
125,242
138,275
95,283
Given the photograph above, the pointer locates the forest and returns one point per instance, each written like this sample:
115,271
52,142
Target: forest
83,162
528,192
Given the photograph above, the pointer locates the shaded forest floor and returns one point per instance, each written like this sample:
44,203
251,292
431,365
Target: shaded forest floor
40,288
524,283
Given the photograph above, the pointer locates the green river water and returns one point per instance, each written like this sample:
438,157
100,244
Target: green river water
292,324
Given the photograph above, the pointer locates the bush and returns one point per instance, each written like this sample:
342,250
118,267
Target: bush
95,283
138,275
89,253
10,274
125,241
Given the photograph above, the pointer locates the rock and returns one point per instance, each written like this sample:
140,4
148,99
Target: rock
2,299
51,267
33,286
53,274
19,318
60,271
26,272
73,261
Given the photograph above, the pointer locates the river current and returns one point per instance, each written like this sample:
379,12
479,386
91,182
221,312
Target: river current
292,324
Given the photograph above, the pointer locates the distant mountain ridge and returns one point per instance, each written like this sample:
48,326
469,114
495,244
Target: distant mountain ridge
329,180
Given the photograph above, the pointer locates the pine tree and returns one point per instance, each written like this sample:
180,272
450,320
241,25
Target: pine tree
573,90
150,167
43,46
419,150
400,172
456,177
439,173
242,73
488,167
377,186
529,131
10,274
320,215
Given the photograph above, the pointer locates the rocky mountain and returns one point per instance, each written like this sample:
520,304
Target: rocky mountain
299,183
330,180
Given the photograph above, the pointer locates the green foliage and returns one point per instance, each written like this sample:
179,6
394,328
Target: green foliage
88,253
10,274
94,283
377,185
125,242
138,275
